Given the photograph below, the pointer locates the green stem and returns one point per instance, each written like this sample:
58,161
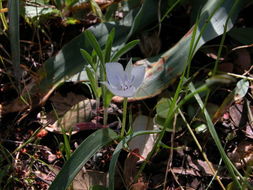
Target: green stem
3,18
124,117
105,116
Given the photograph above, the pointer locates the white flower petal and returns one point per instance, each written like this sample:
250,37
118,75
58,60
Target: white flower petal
125,93
124,83
114,73
138,72
129,68
112,89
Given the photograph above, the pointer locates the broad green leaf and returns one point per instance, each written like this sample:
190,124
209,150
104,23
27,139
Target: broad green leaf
69,61
98,187
81,155
164,69
14,35
242,35
162,107
196,7
162,111
142,19
241,89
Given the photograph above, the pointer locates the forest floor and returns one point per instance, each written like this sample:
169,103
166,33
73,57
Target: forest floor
37,149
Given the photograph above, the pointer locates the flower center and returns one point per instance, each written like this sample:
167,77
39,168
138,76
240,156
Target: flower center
127,83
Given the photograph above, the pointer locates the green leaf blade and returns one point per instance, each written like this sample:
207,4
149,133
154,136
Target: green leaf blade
81,155
88,58
93,81
14,34
108,46
124,49
94,44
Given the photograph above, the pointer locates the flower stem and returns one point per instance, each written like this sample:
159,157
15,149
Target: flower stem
124,117
105,116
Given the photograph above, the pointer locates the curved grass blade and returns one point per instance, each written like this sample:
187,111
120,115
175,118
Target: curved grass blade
124,49
88,58
81,155
96,9
93,82
94,43
216,139
3,18
242,35
108,46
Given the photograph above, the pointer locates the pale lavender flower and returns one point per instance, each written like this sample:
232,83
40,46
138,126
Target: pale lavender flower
124,83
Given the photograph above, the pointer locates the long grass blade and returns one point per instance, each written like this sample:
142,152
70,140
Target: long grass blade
216,138
108,46
94,44
124,49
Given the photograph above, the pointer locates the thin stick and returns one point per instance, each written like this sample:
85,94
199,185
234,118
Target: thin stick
169,163
202,151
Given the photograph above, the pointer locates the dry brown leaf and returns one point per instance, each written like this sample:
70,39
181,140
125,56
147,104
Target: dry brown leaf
77,114
226,67
201,167
235,113
87,178
16,105
130,170
139,186
249,131
150,43
242,155
182,171
63,103
242,63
